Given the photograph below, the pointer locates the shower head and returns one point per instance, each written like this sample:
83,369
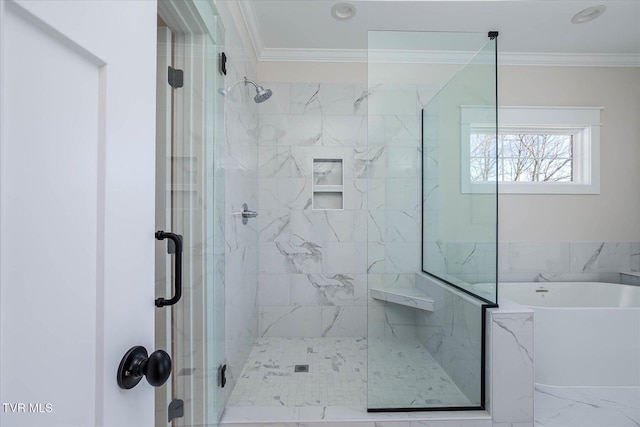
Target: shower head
262,94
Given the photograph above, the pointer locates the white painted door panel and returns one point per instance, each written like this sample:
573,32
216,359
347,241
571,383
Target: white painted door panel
77,157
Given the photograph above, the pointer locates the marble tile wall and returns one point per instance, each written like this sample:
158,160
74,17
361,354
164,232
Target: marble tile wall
567,261
537,261
314,264
453,334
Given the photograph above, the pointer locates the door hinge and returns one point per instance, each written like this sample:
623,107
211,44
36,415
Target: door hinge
176,78
222,375
176,409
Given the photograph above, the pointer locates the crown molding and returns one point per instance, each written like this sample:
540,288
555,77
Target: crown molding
313,55
427,57
251,24
569,59
264,54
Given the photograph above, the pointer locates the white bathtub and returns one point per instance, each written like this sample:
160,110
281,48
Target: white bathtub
587,351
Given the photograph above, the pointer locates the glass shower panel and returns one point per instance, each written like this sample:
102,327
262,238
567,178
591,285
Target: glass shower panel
459,191
190,202
425,337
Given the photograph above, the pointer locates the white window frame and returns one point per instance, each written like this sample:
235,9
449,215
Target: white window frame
582,122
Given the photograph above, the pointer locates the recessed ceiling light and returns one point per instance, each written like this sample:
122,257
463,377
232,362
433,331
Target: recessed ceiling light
588,14
342,11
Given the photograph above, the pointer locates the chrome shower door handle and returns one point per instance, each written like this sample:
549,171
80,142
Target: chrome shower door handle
245,213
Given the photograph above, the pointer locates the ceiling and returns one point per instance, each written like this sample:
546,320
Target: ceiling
531,31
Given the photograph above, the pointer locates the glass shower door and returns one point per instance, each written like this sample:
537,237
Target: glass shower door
425,336
188,186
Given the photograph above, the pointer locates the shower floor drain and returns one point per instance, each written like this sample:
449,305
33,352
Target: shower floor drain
301,368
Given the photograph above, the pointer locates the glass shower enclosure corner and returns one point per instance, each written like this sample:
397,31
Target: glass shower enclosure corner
432,203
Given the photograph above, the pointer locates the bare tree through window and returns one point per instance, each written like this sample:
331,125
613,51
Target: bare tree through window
523,157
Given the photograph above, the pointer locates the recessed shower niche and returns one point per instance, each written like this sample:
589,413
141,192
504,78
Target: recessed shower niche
328,184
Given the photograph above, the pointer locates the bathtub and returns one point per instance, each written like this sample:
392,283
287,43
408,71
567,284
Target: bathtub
587,351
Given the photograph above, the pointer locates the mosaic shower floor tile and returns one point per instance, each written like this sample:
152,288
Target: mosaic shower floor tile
403,375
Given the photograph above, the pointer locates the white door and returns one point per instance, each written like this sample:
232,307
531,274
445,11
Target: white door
77,158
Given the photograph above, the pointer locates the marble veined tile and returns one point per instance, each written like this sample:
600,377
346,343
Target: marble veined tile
346,321
345,131
587,406
512,367
274,161
280,101
600,256
289,321
322,289
300,256
319,98
635,256
539,257
361,102
369,162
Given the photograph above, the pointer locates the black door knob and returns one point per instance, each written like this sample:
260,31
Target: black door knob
136,364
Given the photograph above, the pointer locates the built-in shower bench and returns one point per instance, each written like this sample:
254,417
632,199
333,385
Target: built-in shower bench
411,297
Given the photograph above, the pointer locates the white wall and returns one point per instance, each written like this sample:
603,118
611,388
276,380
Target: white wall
613,214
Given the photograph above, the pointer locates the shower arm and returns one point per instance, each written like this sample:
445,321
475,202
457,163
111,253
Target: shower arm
245,81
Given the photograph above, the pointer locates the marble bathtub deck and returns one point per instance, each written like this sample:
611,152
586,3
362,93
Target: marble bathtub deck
403,375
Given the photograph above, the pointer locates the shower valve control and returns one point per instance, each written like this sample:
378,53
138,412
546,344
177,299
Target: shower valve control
245,213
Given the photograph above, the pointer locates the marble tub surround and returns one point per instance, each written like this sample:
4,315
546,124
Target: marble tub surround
567,261
536,261
568,388
586,406
511,363
630,278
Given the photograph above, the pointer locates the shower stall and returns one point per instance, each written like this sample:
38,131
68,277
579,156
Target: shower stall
337,253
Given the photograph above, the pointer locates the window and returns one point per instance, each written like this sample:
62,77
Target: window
544,150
